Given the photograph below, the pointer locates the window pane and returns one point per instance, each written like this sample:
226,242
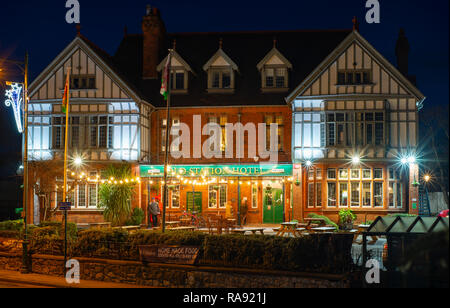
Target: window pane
379,133
223,196
179,81
92,195
331,137
343,194
343,174
254,196
366,174
378,174
81,196
311,195
366,195
369,132
332,173
212,197
355,194
318,194
216,80
93,137
391,190
355,174
176,196
378,194
280,82
226,80
331,194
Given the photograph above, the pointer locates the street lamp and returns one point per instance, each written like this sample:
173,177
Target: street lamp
427,178
23,66
308,163
78,161
356,160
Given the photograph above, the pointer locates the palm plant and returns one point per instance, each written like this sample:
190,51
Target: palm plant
115,199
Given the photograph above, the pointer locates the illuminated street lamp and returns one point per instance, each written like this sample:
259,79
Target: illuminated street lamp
22,97
411,159
404,160
356,160
427,178
78,161
308,163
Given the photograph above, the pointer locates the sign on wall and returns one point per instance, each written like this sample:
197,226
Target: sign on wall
169,254
218,170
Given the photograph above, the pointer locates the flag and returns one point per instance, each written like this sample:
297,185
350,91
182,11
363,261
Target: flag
165,78
65,101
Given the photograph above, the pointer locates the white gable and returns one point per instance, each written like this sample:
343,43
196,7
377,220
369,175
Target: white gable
220,61
82,61
275,60
355,53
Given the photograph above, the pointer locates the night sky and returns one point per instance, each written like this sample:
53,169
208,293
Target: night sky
40,28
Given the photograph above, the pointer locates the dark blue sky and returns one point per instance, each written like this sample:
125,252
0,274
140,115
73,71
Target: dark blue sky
40,27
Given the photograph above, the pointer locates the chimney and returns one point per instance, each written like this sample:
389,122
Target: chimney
153,30
402,53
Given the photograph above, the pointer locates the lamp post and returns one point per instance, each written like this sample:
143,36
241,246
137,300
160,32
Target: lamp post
25,261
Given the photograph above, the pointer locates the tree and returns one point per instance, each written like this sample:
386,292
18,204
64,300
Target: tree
115,196
435,145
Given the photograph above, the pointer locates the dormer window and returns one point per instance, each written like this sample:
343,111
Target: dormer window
221,78
275,77
179,73
221,73
274,70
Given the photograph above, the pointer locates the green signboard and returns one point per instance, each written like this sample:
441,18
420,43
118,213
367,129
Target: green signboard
149,171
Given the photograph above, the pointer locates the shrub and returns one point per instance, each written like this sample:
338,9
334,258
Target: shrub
346,216
328,221
137,217
59,228
12,225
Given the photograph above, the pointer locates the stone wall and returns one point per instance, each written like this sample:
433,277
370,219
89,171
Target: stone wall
175,276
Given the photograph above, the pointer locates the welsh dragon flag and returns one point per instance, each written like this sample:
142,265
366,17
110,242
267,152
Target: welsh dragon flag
165,78
65,101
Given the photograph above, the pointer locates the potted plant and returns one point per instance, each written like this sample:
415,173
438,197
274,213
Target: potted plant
346,219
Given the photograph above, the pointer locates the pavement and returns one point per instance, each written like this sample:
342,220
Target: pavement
13,279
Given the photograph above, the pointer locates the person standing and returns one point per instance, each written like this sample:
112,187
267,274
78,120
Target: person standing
153,211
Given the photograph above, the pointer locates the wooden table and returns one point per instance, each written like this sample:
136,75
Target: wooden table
185,221
182,229
100,225
288,227
324,229
252,230
172,224
130,229
310,220
361,229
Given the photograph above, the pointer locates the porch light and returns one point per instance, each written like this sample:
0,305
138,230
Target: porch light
308,163
356,160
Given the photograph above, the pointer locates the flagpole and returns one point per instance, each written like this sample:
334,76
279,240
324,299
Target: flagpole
65,138
66,97
166,158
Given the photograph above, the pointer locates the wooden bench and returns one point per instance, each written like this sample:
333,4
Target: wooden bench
99,225
181,229
252,230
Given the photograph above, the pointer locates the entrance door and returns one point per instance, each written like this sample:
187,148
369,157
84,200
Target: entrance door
197,204
273,202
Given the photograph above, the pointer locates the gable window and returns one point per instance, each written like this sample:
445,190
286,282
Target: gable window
355,128
221,72
354,77
178,82
82,82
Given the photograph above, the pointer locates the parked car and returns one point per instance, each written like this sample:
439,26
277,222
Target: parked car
444,214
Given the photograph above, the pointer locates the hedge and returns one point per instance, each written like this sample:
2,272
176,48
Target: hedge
325,253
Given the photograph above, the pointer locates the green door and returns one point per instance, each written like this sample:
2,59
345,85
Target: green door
273,201
198,202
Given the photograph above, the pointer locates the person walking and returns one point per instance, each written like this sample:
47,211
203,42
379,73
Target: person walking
153,211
